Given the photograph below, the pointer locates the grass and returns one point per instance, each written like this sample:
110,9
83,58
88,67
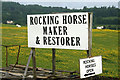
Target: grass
104,42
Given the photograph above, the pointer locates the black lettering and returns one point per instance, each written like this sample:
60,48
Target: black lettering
64,19
44,22
36,20
54,28
49,40
62,41
51,19
88,61
64,30
50,31
31,20
77,41
45,40
87,66
67,41
44,30
84,22
69,19
56,21
89,70
74,19
80,20
72,41
48,20
59,29
40,20
37,40
57,40
53,39
92,60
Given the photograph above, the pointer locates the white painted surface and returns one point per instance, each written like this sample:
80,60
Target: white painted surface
73,30
95,69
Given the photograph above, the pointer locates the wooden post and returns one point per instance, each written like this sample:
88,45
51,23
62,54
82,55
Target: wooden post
89,36
18,54
53,61
34,64
88,53
32,53
17,58
6,57
26,69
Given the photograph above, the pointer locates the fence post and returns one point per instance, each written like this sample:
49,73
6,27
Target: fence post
6,56
53,61
89,37
18,54
17,57
34,64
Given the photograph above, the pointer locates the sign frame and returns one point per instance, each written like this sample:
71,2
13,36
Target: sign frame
89,44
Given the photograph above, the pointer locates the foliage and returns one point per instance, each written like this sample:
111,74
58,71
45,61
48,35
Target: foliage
18,12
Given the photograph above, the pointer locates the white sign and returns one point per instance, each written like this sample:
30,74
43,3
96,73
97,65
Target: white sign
90,66
63,30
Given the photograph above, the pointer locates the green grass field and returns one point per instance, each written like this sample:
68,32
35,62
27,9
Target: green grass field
104,42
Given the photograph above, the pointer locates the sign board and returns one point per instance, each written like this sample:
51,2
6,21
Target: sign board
63,30
90,66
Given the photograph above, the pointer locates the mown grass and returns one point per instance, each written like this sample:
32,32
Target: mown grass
104,42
